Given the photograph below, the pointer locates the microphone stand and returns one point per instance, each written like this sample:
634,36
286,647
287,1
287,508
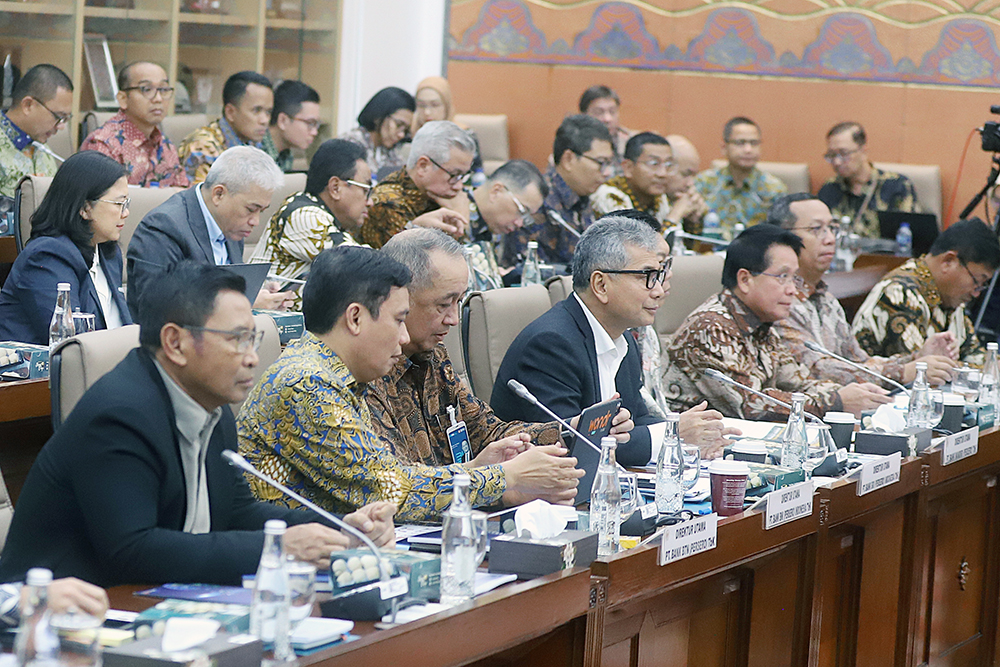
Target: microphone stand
678,232
562,223
815,347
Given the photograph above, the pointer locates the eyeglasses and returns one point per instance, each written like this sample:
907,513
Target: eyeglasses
655,165
819,231
653,276
246,339
123,204
367,187
834,156
740,143
452,176
149,92
527,218
311,123
980,286
399,123
433,104
603,164
785,279
61,119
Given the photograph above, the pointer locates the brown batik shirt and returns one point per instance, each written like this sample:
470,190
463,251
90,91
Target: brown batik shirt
396,201
409,408
724,334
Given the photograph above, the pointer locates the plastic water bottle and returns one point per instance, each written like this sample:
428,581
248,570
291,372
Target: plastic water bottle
269,608
795,439
458,547
919,412
531,274
37,643
989,382
712,225
606,500
61,326
904,240
670,469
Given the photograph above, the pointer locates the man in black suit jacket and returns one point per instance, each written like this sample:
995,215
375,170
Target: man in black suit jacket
133,489
237,190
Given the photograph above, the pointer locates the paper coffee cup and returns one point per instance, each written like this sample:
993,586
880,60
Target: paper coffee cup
954,412
729,486
841,428
755,452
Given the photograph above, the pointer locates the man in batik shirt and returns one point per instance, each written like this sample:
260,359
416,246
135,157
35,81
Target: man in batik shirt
133,137
248,100
859,190
428,191
643,184
927,295
603,103
732,333
42,104
739,192
817,316
583,159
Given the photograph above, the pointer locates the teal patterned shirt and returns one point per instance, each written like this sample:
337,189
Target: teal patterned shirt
747,204
307,424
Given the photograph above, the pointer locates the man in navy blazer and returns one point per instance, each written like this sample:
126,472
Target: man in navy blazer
132,489
29,293
207,223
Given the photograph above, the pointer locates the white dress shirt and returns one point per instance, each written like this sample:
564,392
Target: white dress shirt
215,234
112,316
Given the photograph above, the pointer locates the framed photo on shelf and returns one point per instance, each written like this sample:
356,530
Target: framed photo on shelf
102,71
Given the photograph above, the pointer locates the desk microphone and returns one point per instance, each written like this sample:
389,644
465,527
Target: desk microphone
45,149
237,461
722,377
562,223
524,393
815,347
678,232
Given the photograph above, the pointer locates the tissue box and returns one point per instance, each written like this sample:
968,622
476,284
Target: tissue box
875,442
423,570
290,325
985,415
34,364
223,650
234,618
529,558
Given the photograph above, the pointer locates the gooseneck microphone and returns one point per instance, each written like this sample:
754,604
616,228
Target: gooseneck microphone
562,223
45,149
678,232
816,347
524,393
237,461
722,377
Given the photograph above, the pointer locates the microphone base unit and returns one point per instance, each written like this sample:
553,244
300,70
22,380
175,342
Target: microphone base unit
366,603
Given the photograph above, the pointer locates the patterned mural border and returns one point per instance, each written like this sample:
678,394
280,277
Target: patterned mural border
847,47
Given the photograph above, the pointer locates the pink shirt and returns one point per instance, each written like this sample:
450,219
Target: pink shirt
151,161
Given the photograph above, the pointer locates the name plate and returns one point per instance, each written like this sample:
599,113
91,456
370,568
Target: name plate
961,445
393,588
875,475
647,511
788,504
689,538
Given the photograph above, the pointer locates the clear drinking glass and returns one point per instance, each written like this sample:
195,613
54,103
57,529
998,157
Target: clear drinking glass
84,322
817,447
936,411
629,483
78,631
966,383
302,590
692,466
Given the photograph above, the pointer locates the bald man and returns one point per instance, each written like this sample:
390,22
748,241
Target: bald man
687,206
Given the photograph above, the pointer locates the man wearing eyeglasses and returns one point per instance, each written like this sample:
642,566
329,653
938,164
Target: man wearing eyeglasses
858,189
42,104
325,215
295,122
733,333
429,190
817,316
133,136
739,192
507,201
927,295
643,183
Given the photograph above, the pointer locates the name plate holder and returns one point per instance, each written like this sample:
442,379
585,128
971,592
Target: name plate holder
689,538
961,445
879,473
788,504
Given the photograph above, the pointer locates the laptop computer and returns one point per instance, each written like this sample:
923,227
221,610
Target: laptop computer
254,274
923,225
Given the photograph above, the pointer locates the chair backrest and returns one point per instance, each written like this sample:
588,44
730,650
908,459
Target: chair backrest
795,175
453,343
559,288
178,126
6,512
293,183
27,197
79,362
695,278
270,350
490,322
926,179
93,120
494,140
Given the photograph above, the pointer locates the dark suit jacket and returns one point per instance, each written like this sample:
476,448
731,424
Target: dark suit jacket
29,295
105,500
555,358
173,231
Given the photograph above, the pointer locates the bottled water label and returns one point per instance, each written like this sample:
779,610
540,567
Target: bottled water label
669,499
458,575
604,522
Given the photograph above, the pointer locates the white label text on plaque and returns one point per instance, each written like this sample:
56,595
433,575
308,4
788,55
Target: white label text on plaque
788,504
960,446
689,538
877,474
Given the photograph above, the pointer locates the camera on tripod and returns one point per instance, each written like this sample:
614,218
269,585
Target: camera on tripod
991,132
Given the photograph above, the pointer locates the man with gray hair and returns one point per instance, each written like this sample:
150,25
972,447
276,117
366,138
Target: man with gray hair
410,406
507,201
207,223
428,191
578,352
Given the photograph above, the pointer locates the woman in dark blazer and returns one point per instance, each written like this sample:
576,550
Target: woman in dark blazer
74,239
